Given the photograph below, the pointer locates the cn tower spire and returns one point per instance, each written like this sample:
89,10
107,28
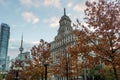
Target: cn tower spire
21,46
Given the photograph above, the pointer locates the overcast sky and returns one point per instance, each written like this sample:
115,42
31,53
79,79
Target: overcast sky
36,19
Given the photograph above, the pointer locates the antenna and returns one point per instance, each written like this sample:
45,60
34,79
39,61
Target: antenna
64,11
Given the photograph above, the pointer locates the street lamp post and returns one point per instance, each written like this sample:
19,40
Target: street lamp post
45,70
17,69
16,75
45,63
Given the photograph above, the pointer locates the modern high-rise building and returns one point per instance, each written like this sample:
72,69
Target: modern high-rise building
8,63
4,40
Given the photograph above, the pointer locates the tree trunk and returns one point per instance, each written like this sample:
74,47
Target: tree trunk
115,73
42,76
85,75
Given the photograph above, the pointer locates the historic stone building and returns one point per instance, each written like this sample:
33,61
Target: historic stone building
64,37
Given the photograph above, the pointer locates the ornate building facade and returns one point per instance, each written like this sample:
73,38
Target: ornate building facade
63,39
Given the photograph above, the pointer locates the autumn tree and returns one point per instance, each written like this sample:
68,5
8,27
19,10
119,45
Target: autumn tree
39,56
74,62
64,68
67,65
99,40
0,77
11,75
59,68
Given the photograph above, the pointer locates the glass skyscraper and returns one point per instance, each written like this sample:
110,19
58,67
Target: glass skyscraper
4,40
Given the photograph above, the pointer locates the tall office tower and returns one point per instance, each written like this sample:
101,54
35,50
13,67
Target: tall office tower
8,63
4,40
